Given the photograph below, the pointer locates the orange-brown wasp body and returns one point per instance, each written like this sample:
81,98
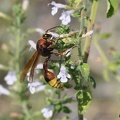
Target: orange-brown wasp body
44,48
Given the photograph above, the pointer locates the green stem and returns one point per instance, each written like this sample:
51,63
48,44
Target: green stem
26,112
17,54
82,23
101,52
90,27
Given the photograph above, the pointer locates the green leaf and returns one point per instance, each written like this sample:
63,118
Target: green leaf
104,35
58,107
91,79
66,109
112,6
67,85
84,99
85,70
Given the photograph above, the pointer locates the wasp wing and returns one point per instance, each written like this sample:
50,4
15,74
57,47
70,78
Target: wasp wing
27,67
33,67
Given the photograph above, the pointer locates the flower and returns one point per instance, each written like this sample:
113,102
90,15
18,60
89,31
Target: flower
36,87
25,4
4,91
56,6
63,75
65,17
32,44
40,31
47,111
39,66
10,78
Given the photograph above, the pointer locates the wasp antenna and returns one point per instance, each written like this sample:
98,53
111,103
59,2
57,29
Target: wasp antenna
53,28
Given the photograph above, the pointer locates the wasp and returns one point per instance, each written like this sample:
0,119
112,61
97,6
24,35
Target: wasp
44,48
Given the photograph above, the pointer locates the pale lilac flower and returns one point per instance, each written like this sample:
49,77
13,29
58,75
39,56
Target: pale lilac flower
10,78
36,71
40,31
4,91
66,17
56,6
63,75
36,87
39,66
32,44
25,4
47,111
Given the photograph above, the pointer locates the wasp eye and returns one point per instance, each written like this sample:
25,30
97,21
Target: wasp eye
47,36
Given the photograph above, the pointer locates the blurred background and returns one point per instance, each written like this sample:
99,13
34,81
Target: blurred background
106,103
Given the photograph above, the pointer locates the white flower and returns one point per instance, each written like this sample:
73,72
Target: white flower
65,17
32,44
63,75
56,6
4,91
10,78
25,4
47,111
36,87
40,31
39,66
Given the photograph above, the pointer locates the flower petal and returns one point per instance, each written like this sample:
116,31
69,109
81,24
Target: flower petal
32,44
47,111
54,10
10,78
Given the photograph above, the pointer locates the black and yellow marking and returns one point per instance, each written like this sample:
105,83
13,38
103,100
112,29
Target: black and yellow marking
55,83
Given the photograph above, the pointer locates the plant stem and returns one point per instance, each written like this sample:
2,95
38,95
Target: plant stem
102,54
17,52
25,109
90,27
82,23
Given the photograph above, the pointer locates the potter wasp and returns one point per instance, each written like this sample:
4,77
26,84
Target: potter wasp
44,48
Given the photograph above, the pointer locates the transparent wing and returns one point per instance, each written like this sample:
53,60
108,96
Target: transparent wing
33,68
27,67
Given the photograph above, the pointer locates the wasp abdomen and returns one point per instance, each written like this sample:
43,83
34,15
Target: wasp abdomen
52,80
50,77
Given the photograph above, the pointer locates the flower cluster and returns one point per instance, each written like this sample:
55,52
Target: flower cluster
65,15
47,111
36,87
63,75
10,78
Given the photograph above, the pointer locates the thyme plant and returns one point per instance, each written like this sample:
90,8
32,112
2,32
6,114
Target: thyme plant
74,73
